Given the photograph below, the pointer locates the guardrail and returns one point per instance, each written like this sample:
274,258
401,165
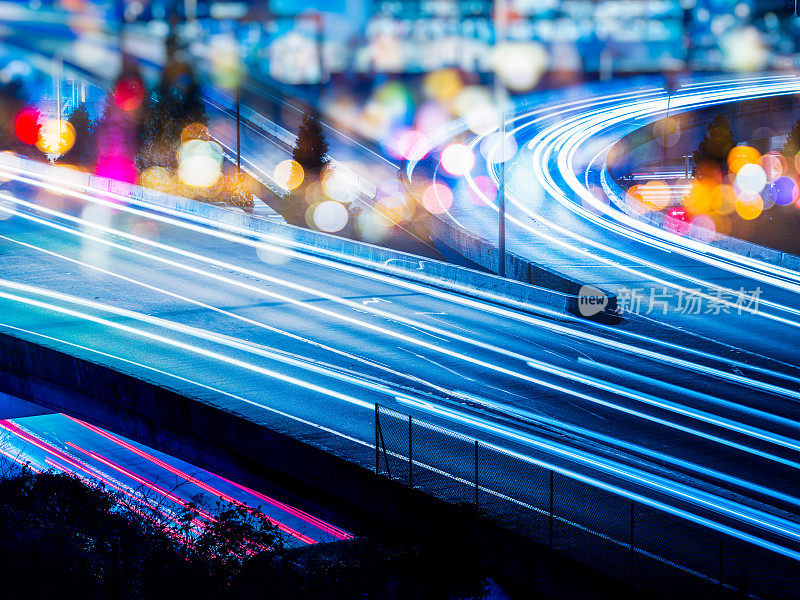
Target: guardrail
517,268
625,536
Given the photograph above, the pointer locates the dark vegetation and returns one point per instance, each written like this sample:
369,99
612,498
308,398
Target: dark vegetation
82,151
716,144
149,128
311,153
59,537
149,135
776,227
792,146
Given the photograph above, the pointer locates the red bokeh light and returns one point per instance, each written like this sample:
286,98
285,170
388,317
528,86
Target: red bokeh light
27,126
677,220
116,167
129,93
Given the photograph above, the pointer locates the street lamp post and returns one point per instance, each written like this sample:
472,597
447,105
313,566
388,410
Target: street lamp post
319,25
240,75
500,101
671,86
238,127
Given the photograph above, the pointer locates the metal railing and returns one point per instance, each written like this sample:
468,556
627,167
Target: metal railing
572,516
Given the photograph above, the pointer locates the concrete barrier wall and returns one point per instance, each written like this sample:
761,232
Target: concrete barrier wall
557,290
533,285
721,241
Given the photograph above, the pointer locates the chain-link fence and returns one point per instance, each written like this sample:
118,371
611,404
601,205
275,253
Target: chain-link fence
630,540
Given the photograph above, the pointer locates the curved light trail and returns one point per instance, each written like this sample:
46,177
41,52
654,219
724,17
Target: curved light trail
460,349
702,429
564,148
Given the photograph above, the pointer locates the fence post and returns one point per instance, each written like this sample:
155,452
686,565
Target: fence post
380,444
632,544
551,509
476,475
410,457
116,578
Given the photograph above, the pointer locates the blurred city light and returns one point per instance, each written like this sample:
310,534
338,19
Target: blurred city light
27,126
330,216
56,136
437,198
129,93
289,174
200,163
458,159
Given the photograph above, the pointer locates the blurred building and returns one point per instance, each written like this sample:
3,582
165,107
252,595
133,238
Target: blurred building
595,37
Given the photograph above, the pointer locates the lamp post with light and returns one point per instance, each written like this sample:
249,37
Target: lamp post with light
500,18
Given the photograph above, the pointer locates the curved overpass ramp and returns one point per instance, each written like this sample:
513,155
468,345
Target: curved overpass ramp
563,216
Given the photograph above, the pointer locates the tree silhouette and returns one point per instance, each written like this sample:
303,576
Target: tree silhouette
12,100
717,143
82,152
174,105
311,149
792,146
311,154
191,104
159,132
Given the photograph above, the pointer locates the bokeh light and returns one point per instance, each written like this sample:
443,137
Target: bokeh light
437,198
372,227
56,137
129,93
289,174
708,172
703,228
750,179
634,199
482,191
743,50
474,104
677,220
458,159
158,178
200,163
520,65
656,195
750,207
225,62
740,156
442,85
774,165
340,184
394,99
784,191
430,116
727,200
330,216
412,145
703,197
497,148
27,125
195,131
116,167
